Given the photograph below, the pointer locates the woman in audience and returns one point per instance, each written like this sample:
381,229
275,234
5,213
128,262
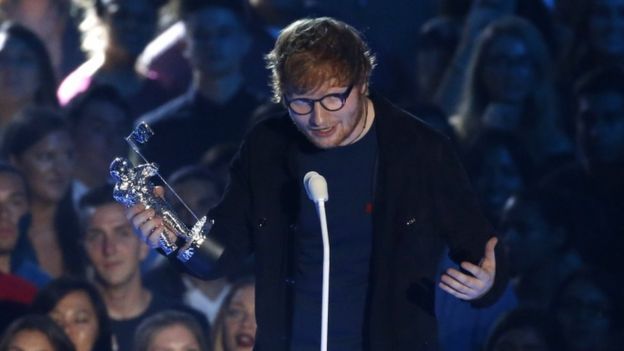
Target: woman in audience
35,333
77,307
235,327
26,75
38,143
509,88
172,331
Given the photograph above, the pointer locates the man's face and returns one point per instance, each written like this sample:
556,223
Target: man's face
217,41
112,247
13,205
328,129
606,27
130,25
601,127
528,239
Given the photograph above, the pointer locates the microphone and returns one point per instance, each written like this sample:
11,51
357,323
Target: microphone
316,188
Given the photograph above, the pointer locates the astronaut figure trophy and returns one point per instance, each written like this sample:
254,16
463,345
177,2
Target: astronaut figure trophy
133,186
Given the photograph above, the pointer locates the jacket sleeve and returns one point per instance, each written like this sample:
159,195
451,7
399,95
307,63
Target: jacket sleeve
459,219
230,226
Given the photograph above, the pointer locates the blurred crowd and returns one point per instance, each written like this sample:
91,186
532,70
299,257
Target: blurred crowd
531,92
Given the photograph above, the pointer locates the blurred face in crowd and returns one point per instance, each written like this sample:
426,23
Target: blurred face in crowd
499,179
240,321
176,337
130,25
76,314
528,238
520,339
606,28
13,206
48,166
584,315
327,129
508,71
99,136
217,41
199,195
30,340
601,127
19,71
112,247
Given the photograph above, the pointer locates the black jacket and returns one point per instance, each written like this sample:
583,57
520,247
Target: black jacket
422,201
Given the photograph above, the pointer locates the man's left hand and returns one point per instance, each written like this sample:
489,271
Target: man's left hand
470,287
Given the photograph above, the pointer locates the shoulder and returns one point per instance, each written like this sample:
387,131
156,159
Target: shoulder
403,130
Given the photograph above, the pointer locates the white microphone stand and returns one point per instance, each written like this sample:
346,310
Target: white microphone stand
316,188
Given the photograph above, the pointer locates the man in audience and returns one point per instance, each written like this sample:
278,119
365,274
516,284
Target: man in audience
116,254
217,107
592,190
536,233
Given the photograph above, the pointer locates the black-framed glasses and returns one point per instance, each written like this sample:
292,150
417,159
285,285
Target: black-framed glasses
330,102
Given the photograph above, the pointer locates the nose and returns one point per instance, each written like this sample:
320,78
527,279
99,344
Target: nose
249,320
108,246
318,115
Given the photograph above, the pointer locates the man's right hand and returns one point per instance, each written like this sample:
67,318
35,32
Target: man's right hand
148,224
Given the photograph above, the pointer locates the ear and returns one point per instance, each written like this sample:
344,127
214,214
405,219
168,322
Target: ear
364,89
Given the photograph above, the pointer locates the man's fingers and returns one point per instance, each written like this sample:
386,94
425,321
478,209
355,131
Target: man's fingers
453,292
456,284
462,278
475,270
142,217
159,191
489,249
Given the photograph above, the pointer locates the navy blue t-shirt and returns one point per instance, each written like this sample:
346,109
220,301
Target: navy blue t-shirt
349,171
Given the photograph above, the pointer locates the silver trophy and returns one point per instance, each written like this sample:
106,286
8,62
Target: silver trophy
133,186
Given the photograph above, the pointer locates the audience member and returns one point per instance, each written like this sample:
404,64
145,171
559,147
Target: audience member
53,22
115,33
116,254
14,208
436,43
26,75
509,88
525,330
536,234
592,191
201,190
99,120
235,328
172,331
476,16
587,306
38,143
498,167
218,106
598,36
77,307
35,333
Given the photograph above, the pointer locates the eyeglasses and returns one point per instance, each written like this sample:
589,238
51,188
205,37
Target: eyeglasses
330,102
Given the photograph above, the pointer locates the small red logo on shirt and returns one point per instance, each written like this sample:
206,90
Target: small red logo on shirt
368,208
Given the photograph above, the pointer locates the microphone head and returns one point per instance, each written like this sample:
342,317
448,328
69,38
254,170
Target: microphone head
316,186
